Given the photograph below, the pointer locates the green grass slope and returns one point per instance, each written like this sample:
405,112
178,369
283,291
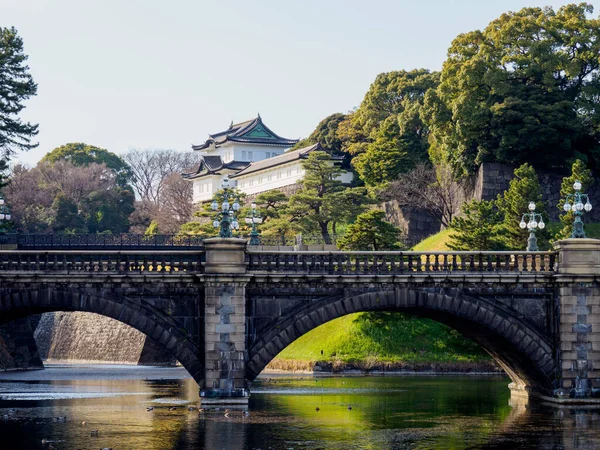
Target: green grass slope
370,340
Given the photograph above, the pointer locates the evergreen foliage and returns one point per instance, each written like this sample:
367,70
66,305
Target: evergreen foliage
16,85
478,228
524,89
152,229
579,172
370,231
326,134
323,199
385,134
514,202
80,154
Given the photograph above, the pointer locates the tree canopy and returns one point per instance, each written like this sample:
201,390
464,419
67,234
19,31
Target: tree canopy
326,134
80,154
525,89
385,134
372,232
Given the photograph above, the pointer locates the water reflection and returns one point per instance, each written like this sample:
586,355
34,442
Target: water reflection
285,413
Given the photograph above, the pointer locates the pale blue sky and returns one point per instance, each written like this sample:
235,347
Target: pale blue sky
124,74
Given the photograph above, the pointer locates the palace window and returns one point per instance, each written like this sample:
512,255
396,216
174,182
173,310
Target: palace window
244,155
249,156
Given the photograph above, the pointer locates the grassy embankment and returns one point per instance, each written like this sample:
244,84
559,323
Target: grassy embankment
388,340
385,341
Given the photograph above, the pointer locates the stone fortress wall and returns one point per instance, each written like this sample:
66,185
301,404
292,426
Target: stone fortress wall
491,180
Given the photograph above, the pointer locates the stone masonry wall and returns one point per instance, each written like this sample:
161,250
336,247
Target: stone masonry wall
491,180
88,337
17,346
580,338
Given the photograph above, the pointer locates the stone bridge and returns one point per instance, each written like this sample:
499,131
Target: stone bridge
226,310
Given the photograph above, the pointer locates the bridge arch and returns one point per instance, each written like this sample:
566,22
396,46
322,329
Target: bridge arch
156,324
525,354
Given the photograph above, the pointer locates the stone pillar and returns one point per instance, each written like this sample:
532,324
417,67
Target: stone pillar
225,322
579,312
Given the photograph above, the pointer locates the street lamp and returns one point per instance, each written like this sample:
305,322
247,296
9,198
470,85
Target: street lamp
253,218
535,220
577,207
4,215
226,219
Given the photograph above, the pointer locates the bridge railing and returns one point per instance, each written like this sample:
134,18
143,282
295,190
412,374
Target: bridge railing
80,261
124,241
343,263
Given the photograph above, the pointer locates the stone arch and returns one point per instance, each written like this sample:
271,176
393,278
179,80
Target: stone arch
163,329
525,354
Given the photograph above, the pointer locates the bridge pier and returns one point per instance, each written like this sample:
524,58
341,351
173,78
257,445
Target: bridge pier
225,322
579,316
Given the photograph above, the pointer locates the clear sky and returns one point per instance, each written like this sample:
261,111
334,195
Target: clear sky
124,74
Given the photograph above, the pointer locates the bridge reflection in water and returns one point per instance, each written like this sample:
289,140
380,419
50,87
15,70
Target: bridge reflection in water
225,310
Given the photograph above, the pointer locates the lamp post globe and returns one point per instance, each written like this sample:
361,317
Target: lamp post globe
532,220
574,203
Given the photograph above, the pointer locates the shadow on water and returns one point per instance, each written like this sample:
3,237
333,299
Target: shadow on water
301,412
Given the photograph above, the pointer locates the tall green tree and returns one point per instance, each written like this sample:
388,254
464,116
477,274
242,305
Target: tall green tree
326,134
16,86
385,134
513,203
525,89
579,172
323,198
80,154
477,228
370,231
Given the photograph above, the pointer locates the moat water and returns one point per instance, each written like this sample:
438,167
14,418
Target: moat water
47,409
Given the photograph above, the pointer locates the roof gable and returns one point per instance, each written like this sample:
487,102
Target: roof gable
252,131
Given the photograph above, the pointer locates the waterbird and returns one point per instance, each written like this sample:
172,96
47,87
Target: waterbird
226,414
172,408
150,408
84,423
245,413
94,433
350,407
317,409
201,410
191,408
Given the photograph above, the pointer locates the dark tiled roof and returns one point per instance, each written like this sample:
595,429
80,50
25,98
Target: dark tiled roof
242,132
278,160
212,164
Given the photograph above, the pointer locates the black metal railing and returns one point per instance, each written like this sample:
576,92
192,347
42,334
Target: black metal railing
78,261
124,241
399,262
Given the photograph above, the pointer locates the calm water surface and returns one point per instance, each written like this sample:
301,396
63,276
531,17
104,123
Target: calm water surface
387,412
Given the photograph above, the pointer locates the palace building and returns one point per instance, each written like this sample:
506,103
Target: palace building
253,158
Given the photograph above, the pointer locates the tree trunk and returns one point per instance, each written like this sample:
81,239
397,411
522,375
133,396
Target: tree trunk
325,233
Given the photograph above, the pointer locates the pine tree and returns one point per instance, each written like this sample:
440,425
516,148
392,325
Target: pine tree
513,203
323,199
579,172
478,228
370,231
16,85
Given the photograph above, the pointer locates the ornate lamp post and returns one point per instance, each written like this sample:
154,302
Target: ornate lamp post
226,219
577,207
535,220
254,217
